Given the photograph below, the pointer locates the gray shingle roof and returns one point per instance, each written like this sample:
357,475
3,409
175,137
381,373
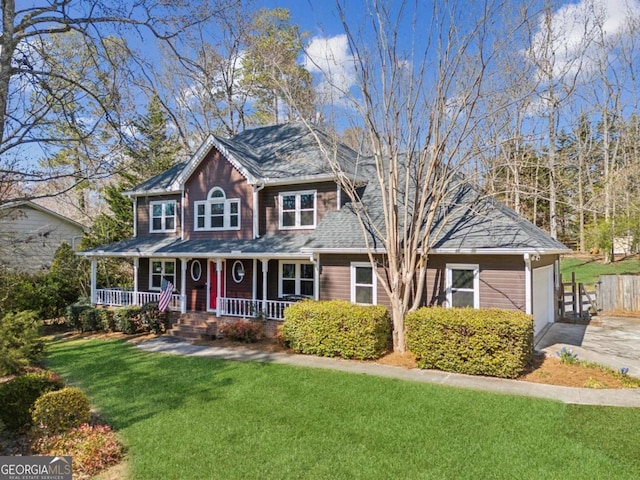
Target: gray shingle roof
271,245
473,222
160,182
271,153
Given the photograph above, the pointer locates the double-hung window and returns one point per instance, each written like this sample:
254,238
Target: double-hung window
463,285
296,278
162,216
217,212
297,210
363,283
161,268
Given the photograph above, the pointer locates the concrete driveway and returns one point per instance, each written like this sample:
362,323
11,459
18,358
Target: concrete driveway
608,340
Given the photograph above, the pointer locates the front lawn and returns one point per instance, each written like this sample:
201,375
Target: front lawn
185,417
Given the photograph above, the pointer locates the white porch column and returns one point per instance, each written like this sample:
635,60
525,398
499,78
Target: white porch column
136,268
265,270
218,285
94,276
316,275
183,285
254,280
528,300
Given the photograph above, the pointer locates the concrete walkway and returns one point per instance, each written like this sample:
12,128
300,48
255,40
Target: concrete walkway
585,396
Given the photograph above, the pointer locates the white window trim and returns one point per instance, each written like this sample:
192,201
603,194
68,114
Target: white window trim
163,217
163,261
297,277
226,215
476,281
373,285
297,210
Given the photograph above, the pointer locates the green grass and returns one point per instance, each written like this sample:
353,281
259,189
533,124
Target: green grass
589,269
197,418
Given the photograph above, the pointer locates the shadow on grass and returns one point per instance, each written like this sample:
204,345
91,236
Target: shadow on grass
133,385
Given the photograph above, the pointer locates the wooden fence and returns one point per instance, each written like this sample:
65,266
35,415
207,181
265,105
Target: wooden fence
619,292
577,300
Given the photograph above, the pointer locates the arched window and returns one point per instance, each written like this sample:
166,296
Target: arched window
217,212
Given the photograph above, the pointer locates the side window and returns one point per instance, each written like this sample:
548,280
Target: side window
463,285
363,283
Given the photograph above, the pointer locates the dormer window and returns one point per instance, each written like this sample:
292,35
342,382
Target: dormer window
297,210
162,216
217,212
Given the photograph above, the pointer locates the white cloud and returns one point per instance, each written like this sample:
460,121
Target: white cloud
329,59
573,35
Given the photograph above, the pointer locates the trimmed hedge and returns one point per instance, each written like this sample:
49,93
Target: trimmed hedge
72,314
492,342
128,319
337,328
152,319
18,395
61,410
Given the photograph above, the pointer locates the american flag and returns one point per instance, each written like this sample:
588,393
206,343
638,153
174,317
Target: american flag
165,295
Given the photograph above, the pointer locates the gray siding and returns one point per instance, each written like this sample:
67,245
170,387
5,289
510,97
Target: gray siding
502,279
29,238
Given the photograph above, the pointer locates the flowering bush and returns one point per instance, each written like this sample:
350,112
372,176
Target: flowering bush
93,448
567,356
242,330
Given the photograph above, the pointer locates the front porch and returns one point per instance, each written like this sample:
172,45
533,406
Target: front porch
225,306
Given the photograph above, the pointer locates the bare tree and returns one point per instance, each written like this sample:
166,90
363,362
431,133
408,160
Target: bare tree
35,91
417,107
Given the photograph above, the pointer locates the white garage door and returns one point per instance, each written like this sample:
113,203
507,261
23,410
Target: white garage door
542,297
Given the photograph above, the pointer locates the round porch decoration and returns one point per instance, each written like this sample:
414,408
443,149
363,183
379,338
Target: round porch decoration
196,270
237,271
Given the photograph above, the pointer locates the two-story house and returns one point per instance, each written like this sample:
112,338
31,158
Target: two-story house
253,222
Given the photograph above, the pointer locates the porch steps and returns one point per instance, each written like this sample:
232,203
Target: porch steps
195,326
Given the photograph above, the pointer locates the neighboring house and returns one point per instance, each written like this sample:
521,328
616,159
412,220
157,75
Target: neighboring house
30,235
256,221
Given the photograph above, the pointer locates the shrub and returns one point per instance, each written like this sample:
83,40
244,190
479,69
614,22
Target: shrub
20,344
127,319
18,395
60,410
93,448
493,342
73,312
242,330
108,320
152,319
92,319
337,328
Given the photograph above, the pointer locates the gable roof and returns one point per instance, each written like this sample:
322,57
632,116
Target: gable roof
285,153
35,206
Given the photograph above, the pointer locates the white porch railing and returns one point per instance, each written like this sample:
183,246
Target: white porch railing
118,298
253,308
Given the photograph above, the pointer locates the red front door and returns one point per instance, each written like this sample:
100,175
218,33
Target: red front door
213,284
